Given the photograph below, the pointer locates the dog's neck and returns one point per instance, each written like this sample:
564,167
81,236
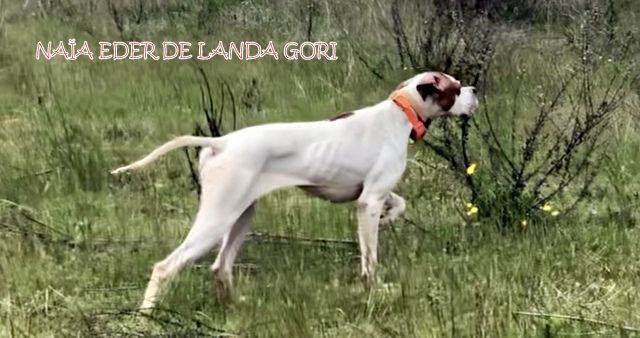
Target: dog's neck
418,128
391,123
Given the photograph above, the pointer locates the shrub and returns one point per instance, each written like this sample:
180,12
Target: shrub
542,143
540,134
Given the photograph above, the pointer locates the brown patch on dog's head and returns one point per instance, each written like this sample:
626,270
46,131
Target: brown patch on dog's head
341,116
435,94
440,88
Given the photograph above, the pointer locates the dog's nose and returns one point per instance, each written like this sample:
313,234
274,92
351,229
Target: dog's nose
474,90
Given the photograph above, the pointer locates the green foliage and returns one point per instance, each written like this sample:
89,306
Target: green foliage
553,152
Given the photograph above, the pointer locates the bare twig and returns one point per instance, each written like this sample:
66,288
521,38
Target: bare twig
372,69
35,174
263,237
575,318
213,116
194,175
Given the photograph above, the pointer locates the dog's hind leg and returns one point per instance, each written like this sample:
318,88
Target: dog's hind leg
225,196
222,267
195,245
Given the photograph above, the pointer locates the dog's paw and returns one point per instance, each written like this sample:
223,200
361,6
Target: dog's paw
145,311
391,211
387,218
384,221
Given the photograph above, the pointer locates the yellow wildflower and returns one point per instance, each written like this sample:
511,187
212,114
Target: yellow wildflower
555,213
469,205
546,207
472,211
471,169
524,223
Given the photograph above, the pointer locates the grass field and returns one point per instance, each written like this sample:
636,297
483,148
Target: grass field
77,245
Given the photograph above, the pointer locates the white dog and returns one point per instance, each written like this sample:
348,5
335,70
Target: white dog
357,156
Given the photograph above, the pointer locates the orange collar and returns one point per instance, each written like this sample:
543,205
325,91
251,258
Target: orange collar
417,126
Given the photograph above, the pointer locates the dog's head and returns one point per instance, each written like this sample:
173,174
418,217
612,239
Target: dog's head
434,94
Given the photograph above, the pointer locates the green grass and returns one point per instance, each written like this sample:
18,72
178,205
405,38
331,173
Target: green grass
77,245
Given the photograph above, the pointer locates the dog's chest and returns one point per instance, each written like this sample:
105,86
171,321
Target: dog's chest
337,161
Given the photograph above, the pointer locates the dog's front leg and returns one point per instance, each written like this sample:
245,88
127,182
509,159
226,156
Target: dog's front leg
369,210
394,206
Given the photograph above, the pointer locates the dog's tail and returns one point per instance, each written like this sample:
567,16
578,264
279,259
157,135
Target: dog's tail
176,143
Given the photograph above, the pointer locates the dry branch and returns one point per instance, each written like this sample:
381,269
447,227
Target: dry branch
280,239
576,319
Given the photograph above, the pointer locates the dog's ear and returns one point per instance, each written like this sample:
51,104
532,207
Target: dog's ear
427,89
429,85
